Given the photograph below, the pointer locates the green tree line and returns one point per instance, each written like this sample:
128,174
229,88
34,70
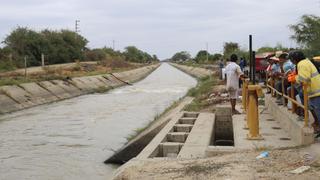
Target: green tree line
62,46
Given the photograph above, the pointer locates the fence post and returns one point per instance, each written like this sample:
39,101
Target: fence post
293,105
244,95
283,92
42,60
25,66
305,103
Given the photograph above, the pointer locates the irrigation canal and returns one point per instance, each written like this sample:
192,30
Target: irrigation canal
70,139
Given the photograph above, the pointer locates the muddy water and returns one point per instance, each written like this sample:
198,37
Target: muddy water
71,139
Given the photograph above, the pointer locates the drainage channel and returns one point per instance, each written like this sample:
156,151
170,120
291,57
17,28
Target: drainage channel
222,134
172,143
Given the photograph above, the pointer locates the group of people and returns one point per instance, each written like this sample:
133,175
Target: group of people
283,69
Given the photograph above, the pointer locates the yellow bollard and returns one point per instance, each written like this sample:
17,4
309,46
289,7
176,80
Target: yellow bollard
253,112
245,103
244,95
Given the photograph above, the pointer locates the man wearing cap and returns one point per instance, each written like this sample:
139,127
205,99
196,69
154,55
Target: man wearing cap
308,73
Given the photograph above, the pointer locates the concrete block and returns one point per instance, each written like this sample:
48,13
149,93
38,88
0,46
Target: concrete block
8,105
187,120
112,81
96,81
68,87
191,114
177,137
170,149
182,128
19,95
81,85
38,93
55,89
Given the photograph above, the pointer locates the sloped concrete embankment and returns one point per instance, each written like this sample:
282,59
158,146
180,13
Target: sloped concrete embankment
17,97
196,72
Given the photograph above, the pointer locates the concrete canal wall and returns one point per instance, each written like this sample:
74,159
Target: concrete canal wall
196,72
17,97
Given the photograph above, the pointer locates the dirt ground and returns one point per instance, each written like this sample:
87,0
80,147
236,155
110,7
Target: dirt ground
238,166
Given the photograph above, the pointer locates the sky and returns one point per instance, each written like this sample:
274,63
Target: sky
163,27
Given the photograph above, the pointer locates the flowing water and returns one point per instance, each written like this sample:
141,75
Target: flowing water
71,139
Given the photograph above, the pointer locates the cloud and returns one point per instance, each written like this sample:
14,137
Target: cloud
163,27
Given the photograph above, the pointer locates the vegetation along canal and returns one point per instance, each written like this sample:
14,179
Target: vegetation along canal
71,139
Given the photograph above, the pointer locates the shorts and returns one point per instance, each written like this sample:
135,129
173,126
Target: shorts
233,94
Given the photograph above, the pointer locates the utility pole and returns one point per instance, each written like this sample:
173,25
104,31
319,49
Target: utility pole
25,67
113,44
77,26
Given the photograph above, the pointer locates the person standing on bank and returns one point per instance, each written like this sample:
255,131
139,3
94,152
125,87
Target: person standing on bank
308,73
233,72
221,65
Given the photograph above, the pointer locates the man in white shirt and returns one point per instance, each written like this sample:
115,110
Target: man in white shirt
233,72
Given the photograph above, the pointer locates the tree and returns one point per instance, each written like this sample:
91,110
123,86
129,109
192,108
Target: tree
215,57
95,55
307,34
59,46
181,56
230,48
278,47
265,49
25,42
136,55
155,58
201,56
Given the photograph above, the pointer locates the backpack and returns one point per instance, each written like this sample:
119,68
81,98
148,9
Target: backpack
316,64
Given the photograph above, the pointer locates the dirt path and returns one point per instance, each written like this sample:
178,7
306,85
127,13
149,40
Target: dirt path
241,165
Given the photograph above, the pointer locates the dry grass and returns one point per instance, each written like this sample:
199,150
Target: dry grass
78,70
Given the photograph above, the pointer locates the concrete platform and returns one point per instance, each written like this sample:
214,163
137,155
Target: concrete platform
209,134
274,136
289,122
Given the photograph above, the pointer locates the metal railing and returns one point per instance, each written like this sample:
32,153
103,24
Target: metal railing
294,102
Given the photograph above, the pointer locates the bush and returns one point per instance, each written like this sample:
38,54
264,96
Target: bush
6,66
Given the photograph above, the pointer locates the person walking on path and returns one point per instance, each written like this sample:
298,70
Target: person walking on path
233,72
